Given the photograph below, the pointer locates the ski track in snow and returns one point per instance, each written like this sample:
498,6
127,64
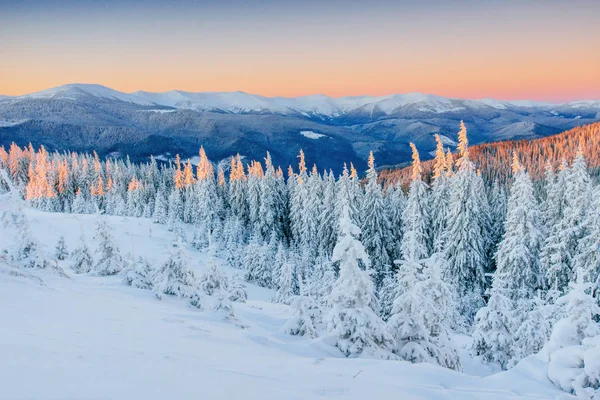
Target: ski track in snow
92,337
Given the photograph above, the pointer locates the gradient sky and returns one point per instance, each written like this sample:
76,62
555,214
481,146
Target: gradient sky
505,49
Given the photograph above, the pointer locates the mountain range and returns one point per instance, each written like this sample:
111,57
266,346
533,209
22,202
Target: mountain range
84,117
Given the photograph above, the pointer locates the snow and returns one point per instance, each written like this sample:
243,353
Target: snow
309,106
8,123
94,337
312,135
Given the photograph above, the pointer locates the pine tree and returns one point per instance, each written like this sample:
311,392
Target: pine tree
415,218
139,274
396,202
237,190
573,345
588,248
270,212
24,245
517,277
440,190
554,257
351,319
387,294
327,232
82,258
109,260
61,252
256,263
375,224
175,277
420,320
284,277
160,213
307,313
464,245
234,242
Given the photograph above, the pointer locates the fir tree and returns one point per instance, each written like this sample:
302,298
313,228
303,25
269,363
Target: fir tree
464,245
307,313
439,196
375,224
415,218
420,320
109,260
175,277
82,258
517,276
61,252
139,274
351,319
284,277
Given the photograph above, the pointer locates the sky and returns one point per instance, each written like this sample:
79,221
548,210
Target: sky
505,49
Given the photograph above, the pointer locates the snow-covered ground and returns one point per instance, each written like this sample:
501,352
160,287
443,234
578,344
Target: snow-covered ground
90,337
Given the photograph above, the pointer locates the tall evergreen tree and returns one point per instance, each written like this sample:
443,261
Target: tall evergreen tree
351,319
375,225
517,276
464,244
415,218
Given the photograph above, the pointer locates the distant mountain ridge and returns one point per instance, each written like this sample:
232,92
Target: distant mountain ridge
241,102
86,116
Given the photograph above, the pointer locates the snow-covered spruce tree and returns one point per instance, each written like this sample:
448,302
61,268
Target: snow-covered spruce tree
326,282
375,225
109,260
238,201
560,247
573,347
80,204
175,277
60,250
284,276
24,245
421,314
237,290
588,249
175,213
213,280
535,329
82,258
208,207
307,313
271,206
387,294
327,228
234,241
396,201
517,276
498,209
554,257
464,245
160,213
415,218
440,190
312,213
351,318
139,274
298,199
215,283
255,173
256,262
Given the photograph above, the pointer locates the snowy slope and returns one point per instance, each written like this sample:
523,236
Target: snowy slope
88,337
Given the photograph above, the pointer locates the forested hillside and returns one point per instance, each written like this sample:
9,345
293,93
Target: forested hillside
493,159
383,273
